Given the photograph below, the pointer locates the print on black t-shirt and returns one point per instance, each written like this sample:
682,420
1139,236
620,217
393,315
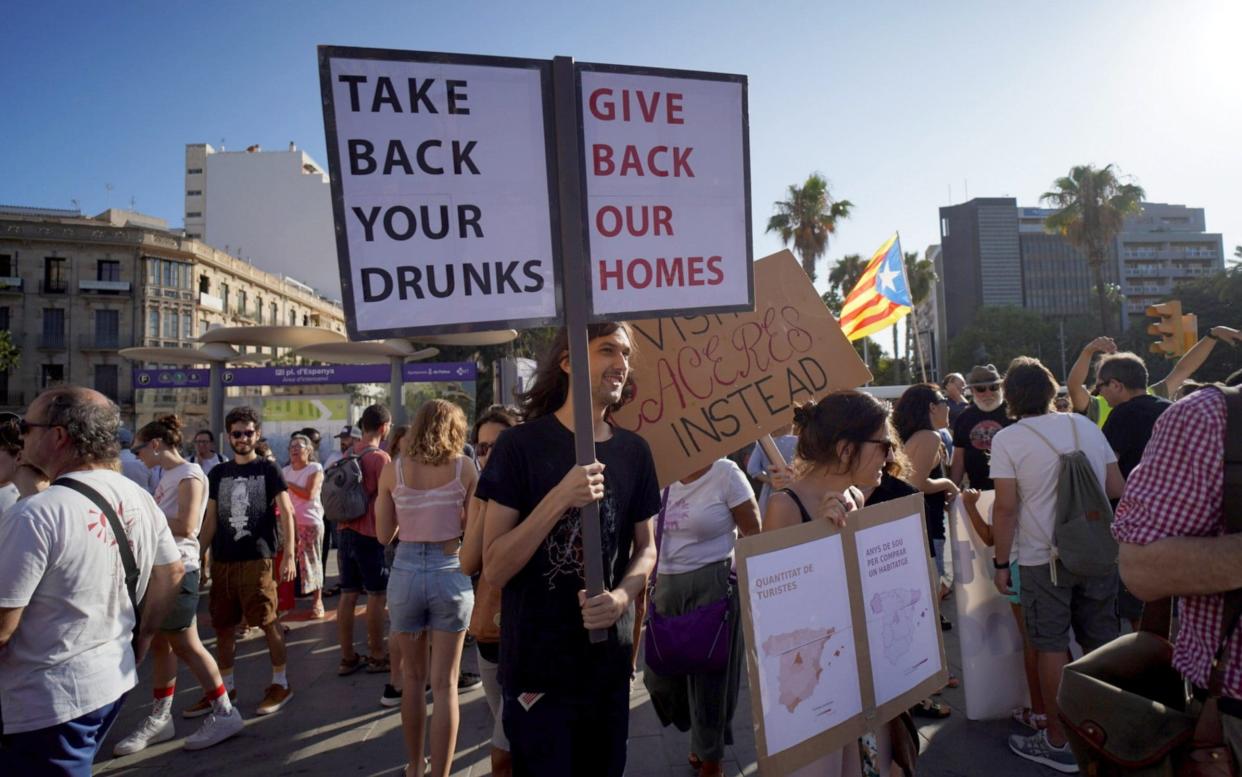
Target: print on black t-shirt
973,434
247,528
543,645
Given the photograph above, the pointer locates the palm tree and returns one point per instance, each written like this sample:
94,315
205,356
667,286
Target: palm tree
921,277
1091,208
845,273
807,218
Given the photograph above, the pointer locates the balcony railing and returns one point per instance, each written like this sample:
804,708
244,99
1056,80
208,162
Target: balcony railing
105,287
12,398
53,342
100,341
52,286
10,284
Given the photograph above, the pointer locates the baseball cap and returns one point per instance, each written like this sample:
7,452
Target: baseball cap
350,431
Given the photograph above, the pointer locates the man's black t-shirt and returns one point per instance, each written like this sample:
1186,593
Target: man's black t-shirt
543,646
245,494
972,434
1129,426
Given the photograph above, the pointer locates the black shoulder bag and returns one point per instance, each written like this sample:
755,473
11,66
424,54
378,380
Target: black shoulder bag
118,533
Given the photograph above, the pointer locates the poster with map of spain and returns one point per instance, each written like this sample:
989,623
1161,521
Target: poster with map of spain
842,630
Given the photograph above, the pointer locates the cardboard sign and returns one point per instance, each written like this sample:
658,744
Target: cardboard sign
666,173
441,190
992,671
710,384
842,630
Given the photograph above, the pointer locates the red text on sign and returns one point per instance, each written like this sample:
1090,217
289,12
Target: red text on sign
605,105
658,218
660,161
662,272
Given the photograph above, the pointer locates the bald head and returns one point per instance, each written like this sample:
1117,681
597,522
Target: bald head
71,426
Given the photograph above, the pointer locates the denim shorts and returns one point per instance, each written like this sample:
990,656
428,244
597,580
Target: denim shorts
427,590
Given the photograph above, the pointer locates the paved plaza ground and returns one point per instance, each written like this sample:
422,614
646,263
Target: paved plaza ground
335,725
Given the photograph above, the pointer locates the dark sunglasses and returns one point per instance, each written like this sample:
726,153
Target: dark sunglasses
248,433
993,388
939,400
483,448
139,447
886,444
24,426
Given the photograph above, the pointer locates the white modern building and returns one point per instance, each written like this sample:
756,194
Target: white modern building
272,208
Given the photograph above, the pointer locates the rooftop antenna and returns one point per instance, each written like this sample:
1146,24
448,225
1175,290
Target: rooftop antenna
133,203
108,189
76,205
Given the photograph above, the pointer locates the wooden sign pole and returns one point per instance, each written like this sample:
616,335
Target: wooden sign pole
573,287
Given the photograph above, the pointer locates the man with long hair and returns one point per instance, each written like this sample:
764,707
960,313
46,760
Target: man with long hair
566,700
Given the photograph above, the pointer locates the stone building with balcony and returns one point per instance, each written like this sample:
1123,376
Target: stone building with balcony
74,290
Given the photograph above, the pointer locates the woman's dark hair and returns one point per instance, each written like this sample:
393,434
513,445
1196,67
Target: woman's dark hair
551,387
496,414
853,417
10,434
912,413
395,437
166,429
1029,388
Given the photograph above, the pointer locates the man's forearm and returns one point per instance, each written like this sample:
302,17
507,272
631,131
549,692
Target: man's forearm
1186,366
1004,522
1076,381
161,590
641,565
1182,566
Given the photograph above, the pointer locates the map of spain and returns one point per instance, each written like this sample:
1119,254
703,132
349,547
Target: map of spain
896,609
799,655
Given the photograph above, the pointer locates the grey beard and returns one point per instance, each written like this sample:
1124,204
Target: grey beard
993,402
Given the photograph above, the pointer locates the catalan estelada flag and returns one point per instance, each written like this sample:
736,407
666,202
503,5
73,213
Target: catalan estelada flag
880,297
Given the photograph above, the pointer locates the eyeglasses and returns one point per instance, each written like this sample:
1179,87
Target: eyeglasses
139,447
483,448
24,426
939,400
248,433
989,389
886,444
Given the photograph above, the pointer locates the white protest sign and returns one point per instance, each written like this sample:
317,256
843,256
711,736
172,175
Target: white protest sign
441,190
991,644
667,185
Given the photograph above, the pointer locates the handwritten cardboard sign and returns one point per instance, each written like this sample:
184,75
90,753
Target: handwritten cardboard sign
842,630
710,384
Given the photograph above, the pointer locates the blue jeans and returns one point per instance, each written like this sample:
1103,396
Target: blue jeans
65,750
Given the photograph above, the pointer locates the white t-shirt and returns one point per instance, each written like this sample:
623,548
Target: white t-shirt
698,525
208,462
1018,453
71,652
8,497
306,512
166,497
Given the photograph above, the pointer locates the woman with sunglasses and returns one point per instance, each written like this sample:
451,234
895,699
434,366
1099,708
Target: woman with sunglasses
182,495
304,478
918,416
845,442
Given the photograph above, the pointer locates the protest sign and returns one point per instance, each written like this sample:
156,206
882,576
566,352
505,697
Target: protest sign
707,385
666,176
842,630
441,190
992,671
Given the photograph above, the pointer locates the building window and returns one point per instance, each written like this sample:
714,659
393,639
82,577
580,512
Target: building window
51,375
107,380
224,295
55,280
4,388
293,317
193,235
187,324
153,323
53,327
194,171
172,322
258,310
194,192
275,312
204,284
6,266
4,319
107,328
241,302
193,214
106,270
153,272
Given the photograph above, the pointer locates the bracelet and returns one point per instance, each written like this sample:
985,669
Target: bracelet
996,564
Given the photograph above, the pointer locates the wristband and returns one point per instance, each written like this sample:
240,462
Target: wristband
996,564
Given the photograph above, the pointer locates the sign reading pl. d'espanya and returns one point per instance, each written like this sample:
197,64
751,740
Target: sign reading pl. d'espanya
666,174
441,190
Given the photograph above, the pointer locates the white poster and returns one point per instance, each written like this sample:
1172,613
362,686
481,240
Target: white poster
992,670
667,187
440,191
800,610
902,627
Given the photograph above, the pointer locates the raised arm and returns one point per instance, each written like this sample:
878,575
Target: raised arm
1076,381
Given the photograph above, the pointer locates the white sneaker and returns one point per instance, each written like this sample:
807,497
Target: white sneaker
151,731
215,729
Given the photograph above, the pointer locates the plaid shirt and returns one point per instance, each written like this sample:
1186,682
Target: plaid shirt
1176,492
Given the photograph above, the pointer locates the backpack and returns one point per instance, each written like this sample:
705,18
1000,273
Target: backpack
1082,537
342,494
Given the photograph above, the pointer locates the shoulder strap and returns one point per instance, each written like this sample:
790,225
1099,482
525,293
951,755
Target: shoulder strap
396,464
1038,434
806,515
118,532
660,531
457,471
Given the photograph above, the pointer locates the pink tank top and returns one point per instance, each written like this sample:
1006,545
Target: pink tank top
431,515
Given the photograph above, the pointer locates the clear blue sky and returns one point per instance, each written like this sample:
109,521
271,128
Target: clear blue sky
905,107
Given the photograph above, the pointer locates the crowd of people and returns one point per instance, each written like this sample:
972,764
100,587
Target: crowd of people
455,532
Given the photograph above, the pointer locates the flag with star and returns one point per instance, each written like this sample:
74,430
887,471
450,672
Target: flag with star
881,297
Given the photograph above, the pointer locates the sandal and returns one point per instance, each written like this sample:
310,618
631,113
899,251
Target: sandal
1036,721
954,681
377,665
930,709
349,666
317,613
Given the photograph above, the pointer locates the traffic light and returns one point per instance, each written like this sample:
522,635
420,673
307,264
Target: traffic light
1190,331
1169,327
